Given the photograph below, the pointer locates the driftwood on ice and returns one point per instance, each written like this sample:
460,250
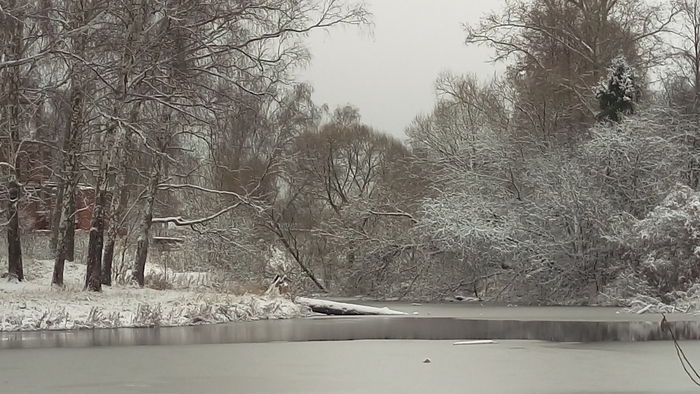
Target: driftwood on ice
341,308
477,342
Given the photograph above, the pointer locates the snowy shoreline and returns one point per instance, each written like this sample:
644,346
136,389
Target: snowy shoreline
34,305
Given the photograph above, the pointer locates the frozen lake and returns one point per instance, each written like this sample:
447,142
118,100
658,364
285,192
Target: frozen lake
356,367
593,350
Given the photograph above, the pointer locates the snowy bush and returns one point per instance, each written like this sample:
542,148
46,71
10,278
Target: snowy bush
540,235
637,160
666,243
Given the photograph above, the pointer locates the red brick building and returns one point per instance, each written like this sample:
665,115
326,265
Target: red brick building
39,191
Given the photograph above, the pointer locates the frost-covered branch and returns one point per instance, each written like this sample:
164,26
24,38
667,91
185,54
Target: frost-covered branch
179,221
395,214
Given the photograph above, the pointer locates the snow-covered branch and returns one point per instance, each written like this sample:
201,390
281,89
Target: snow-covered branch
395,214
179,221
243,199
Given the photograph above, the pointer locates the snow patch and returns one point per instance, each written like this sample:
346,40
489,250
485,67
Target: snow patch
35,305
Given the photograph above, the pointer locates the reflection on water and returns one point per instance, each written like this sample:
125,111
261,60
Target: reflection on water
334,329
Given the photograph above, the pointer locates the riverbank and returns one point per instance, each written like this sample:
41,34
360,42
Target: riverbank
35,305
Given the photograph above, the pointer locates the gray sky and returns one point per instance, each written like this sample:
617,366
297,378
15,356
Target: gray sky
389,74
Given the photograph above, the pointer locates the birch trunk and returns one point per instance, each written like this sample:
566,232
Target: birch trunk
143,240
65,245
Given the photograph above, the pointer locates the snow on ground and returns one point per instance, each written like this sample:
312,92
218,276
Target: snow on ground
35,305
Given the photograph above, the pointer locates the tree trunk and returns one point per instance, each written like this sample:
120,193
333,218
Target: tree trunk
65,248
118,202
62,247
344,309
75,127
57,221
14,245
141,254
108,258
295,254
58,265
93,280
13,38
71,150
143,240
70,226
93,274
115,221
66,233
56,218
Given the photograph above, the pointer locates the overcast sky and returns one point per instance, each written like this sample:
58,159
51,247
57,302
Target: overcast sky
389,74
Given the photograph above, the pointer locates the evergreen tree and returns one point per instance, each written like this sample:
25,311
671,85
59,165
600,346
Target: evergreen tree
617,93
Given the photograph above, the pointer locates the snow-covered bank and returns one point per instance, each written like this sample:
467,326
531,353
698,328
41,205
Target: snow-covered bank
646,304
635,296
35,305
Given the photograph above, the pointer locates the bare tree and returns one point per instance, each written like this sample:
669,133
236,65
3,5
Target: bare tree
205,48
80,15
685,46
553,94
13,42
682,82
343,184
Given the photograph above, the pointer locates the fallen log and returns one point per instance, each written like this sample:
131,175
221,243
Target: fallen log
340,308
477,342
